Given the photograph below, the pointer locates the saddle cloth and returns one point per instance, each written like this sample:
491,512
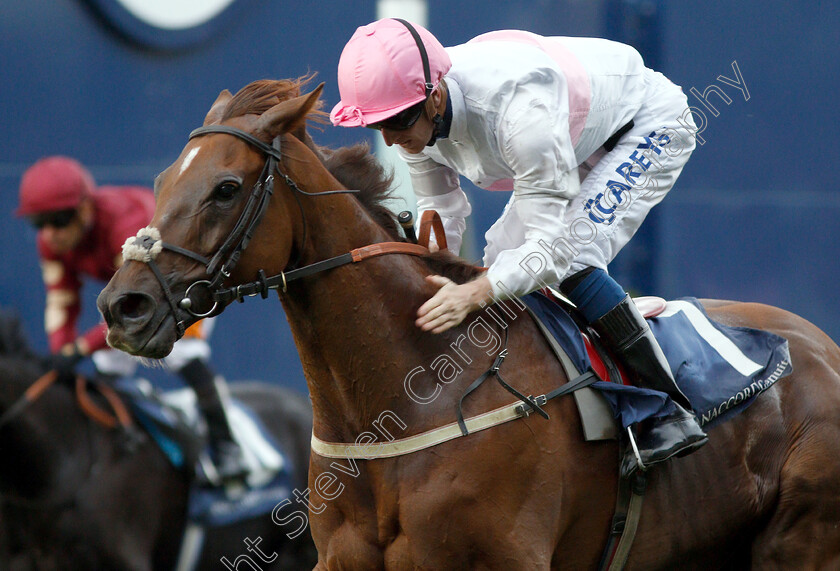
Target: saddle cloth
720,369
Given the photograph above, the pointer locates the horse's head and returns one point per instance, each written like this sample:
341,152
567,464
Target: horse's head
208,204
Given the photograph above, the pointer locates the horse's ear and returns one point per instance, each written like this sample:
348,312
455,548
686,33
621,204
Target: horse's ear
289,115
215,114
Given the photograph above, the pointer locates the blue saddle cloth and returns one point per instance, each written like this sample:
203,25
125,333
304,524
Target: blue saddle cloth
172,420
721,369
217,506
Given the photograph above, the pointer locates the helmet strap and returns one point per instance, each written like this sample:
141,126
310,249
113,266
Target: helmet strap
424,58
438,122
437,119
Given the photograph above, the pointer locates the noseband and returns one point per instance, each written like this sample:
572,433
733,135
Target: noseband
147,244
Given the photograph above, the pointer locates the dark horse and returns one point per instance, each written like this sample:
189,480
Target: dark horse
529,494
74,496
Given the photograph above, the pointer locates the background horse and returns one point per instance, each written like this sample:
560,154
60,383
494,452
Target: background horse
74,495
530,494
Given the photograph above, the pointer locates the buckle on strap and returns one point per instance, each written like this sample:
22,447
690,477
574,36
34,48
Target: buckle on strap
634,446
498,362
536,403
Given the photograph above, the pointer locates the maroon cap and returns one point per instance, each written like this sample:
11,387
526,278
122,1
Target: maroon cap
53,183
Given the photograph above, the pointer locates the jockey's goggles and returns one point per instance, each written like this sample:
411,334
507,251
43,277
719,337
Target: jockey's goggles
56,219
403,120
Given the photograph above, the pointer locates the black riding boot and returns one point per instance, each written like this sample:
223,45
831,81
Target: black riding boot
229,461
626,332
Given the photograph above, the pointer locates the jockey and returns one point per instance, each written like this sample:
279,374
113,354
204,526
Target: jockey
81,230
586,137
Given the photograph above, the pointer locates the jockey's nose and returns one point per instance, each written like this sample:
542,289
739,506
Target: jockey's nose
131,310
388,137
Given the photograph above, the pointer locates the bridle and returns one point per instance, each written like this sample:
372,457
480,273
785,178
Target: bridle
147,244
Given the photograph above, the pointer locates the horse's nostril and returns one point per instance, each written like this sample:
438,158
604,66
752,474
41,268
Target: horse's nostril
109,319
131,307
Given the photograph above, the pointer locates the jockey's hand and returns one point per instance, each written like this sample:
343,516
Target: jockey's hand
452,302
64,362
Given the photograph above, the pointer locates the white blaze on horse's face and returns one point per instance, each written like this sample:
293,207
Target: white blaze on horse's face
188,160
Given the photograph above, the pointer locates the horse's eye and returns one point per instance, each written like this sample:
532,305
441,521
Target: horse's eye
225,191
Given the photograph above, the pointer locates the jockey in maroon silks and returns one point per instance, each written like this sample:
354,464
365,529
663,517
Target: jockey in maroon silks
81,231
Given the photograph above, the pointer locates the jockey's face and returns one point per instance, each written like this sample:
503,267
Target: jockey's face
414,139
64,235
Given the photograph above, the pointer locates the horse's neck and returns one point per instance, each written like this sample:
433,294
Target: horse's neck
39,442
354,327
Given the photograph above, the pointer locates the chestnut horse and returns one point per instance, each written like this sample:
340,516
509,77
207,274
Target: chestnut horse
528,494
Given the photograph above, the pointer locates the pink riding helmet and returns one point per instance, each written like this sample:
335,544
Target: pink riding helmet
380,72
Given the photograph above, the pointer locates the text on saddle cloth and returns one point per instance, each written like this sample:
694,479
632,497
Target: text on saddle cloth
720,369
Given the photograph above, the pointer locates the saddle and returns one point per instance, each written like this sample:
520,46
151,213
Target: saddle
168,426
173,420
720,369
597,419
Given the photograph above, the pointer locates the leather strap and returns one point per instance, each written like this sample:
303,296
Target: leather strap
428,221
628,511
266,149
32,394
448,432
121,415
383,248
281,280
419,441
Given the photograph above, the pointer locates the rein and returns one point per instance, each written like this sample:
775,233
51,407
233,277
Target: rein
120,416
147,244
33,393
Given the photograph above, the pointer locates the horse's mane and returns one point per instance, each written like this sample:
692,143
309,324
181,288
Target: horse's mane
354,167
259,96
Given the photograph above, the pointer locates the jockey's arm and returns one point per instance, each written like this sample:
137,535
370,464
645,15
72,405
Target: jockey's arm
546,179
63,306
437,187
61,313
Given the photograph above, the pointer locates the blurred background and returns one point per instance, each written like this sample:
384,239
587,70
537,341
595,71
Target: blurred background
118,84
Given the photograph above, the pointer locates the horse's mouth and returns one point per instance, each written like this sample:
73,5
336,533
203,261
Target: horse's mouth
152,342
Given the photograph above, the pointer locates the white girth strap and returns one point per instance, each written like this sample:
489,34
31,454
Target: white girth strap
418,441
138,248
